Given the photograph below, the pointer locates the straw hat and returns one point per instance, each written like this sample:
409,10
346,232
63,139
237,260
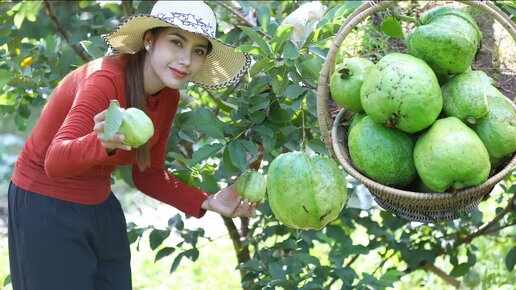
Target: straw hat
223,66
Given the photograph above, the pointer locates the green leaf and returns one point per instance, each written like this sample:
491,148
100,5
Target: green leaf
92,49
166,251
157,237
258,103
392,28
5,77
510,259
460,270
264,130
205,152
238,155
113,120
176,222
263,16
294,91
7,280
226,159
392,275
282,34
208,182
264,46
279,80
261,66
208,123
192,254
290,51
176,262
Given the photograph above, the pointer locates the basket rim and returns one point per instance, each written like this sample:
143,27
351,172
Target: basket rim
328,127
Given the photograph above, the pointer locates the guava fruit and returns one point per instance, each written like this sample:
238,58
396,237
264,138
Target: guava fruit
305,192
401,91
251,185
447,40
465,96
472,278
450,155
497,129
133,123
346,81
382,154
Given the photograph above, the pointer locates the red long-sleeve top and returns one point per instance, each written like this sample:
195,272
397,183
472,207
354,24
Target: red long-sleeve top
64,159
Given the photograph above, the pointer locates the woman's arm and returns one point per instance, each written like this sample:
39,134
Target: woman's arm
76,146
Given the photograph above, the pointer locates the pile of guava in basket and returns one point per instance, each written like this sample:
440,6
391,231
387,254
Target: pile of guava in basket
425,120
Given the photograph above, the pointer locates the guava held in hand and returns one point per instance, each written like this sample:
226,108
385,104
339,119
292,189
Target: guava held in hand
305,192
346,81
133,123
251,185
451,156
447,40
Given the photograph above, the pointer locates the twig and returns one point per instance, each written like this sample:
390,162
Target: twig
128,8
430,267
241,18
79,50
383,262
482,229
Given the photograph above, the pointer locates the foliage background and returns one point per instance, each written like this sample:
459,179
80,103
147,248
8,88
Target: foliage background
218,133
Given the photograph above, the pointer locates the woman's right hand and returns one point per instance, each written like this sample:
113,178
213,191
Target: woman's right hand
115,142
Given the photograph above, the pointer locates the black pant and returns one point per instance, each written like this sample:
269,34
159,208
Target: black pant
60,245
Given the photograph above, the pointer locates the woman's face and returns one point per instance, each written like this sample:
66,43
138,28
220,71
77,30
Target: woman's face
175,57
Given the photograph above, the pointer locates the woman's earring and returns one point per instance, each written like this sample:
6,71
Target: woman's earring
148,46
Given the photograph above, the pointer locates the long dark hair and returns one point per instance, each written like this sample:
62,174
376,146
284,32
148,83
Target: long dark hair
135,93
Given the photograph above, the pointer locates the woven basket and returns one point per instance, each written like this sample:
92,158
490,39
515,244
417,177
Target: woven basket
413,206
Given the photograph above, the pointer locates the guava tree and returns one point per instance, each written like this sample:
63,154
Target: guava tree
218,135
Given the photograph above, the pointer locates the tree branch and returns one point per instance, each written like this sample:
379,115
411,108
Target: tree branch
430,267
241,18
128,8
241,253
482,229
79,50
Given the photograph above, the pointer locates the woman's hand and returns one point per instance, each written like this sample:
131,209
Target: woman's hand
116,142
229,203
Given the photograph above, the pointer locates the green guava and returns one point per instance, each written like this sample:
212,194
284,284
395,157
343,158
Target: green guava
305,192
447,40
465,96
497,129
402,91
382,154
136,126
251,185
472,278
451,155
346,81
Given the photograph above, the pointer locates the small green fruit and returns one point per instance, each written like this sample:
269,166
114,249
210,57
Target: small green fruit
346,81
451,155
136,126
383,154
251,185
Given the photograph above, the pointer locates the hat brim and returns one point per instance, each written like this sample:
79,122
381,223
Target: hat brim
223,65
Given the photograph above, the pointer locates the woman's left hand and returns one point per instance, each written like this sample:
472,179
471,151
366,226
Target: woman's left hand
229,203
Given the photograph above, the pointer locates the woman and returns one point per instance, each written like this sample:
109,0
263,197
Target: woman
66,228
